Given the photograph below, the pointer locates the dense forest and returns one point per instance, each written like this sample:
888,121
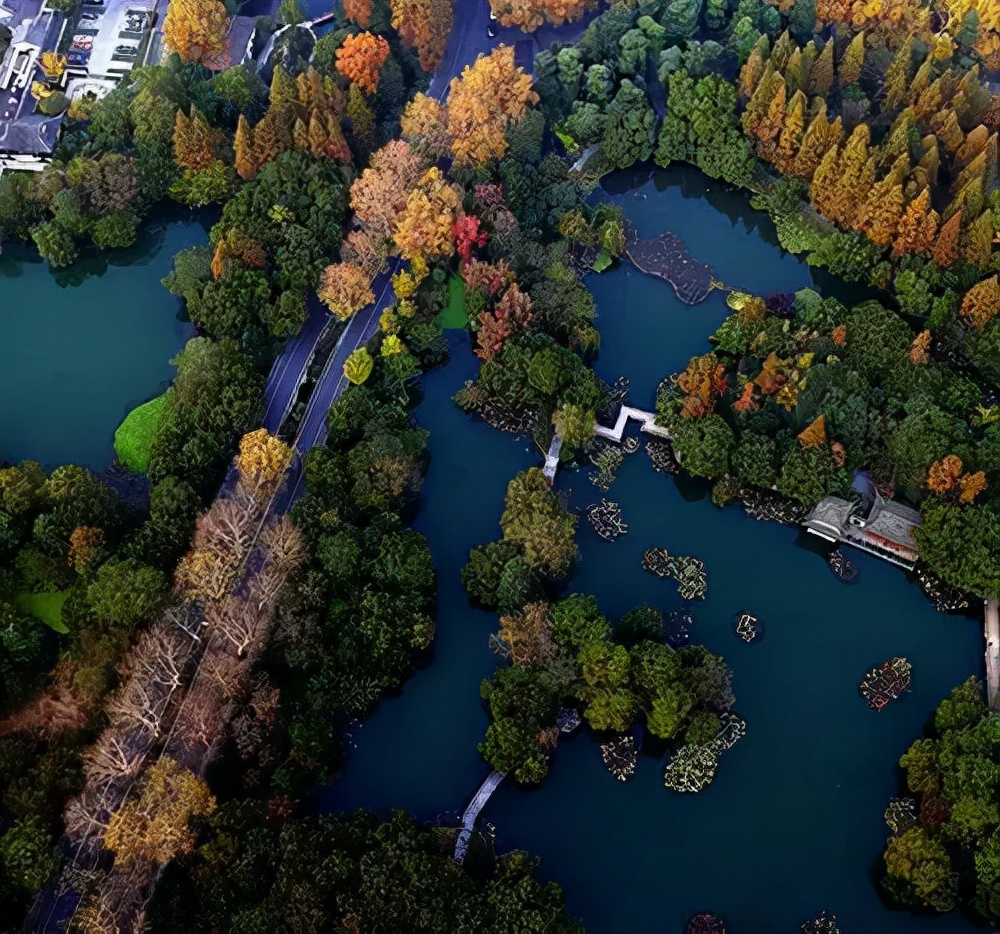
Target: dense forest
202,658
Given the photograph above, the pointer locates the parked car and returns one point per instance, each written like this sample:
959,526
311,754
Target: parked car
93,2
121,49
89,16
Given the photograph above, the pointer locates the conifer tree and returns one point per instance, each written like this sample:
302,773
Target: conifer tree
270,137
300,135
879,214
928,102
945,126
821,75
782,51
791,133
921,80
822,191
852,62
918,226
946,248
751,74
897,77
244,157
283,90
819,138
193,141
794,72
977,244
362,117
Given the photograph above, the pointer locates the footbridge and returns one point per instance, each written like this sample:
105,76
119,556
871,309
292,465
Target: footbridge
471,814
991,630
646,420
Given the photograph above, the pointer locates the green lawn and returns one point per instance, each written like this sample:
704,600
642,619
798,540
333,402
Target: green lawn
45,606
134,436
454,315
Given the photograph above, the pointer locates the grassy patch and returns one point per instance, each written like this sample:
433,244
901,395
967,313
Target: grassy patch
45,606
454,316
134,436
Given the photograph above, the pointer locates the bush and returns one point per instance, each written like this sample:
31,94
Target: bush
134,436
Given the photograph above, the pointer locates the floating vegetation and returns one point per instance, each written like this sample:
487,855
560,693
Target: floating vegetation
606,518
748,627
607,459
945,599
679,628
691,769
630,445
734,728
568,719
689,572
705,923
662,455
887,683
843,568
620,756
762,505
666,257
821,924
900,815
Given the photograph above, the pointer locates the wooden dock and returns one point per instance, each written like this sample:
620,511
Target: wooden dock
471,813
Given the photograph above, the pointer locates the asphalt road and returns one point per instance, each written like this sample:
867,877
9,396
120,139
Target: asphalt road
469,38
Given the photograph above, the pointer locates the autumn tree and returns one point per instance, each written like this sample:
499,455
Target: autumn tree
943,474
919,349
360,59
971,485
156,827
379,194
423,229
244,158
982,302
261,461
360,11
814,434
945,250
345,289
358,366
424,25
196,30
424,124
528,15
195,142
918,227
85,546
490,96
703,381
852,62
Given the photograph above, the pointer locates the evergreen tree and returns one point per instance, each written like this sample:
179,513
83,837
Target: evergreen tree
821,75
946,248
918,226
853,61
244,158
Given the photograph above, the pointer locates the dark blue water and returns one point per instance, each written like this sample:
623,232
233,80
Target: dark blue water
792,823
81,348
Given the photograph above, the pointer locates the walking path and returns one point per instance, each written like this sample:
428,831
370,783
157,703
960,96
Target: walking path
991,632
471,814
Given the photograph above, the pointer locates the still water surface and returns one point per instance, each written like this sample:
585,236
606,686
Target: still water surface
792,823
80,348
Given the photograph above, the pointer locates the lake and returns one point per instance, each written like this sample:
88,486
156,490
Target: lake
793,822
80,348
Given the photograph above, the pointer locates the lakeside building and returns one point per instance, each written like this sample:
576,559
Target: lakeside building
102,40
869,521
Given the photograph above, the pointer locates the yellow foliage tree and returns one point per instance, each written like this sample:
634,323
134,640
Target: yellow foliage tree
490,95
345,289
196,30
942,475
261,461
52,64
971,484
156,827
358,366
814,434
424,229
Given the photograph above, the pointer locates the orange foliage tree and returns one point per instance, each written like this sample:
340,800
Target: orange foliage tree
196,30
85,543
360,11
919,348
360,59
345,289
971,484
488,97
530,14
704,380
942,475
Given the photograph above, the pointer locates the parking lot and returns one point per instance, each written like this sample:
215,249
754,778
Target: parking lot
110,36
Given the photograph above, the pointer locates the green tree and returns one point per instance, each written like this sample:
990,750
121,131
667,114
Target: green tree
630,132
55,245
960,543
127,592
534,519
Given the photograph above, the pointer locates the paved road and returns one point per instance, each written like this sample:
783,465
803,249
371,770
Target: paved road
468,39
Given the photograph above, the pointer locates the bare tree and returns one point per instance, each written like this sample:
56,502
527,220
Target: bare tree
138,703
112,757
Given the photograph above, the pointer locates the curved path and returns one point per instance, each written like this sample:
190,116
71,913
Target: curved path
471,814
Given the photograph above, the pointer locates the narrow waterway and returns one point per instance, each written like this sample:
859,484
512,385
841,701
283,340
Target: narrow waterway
792,823
81,347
